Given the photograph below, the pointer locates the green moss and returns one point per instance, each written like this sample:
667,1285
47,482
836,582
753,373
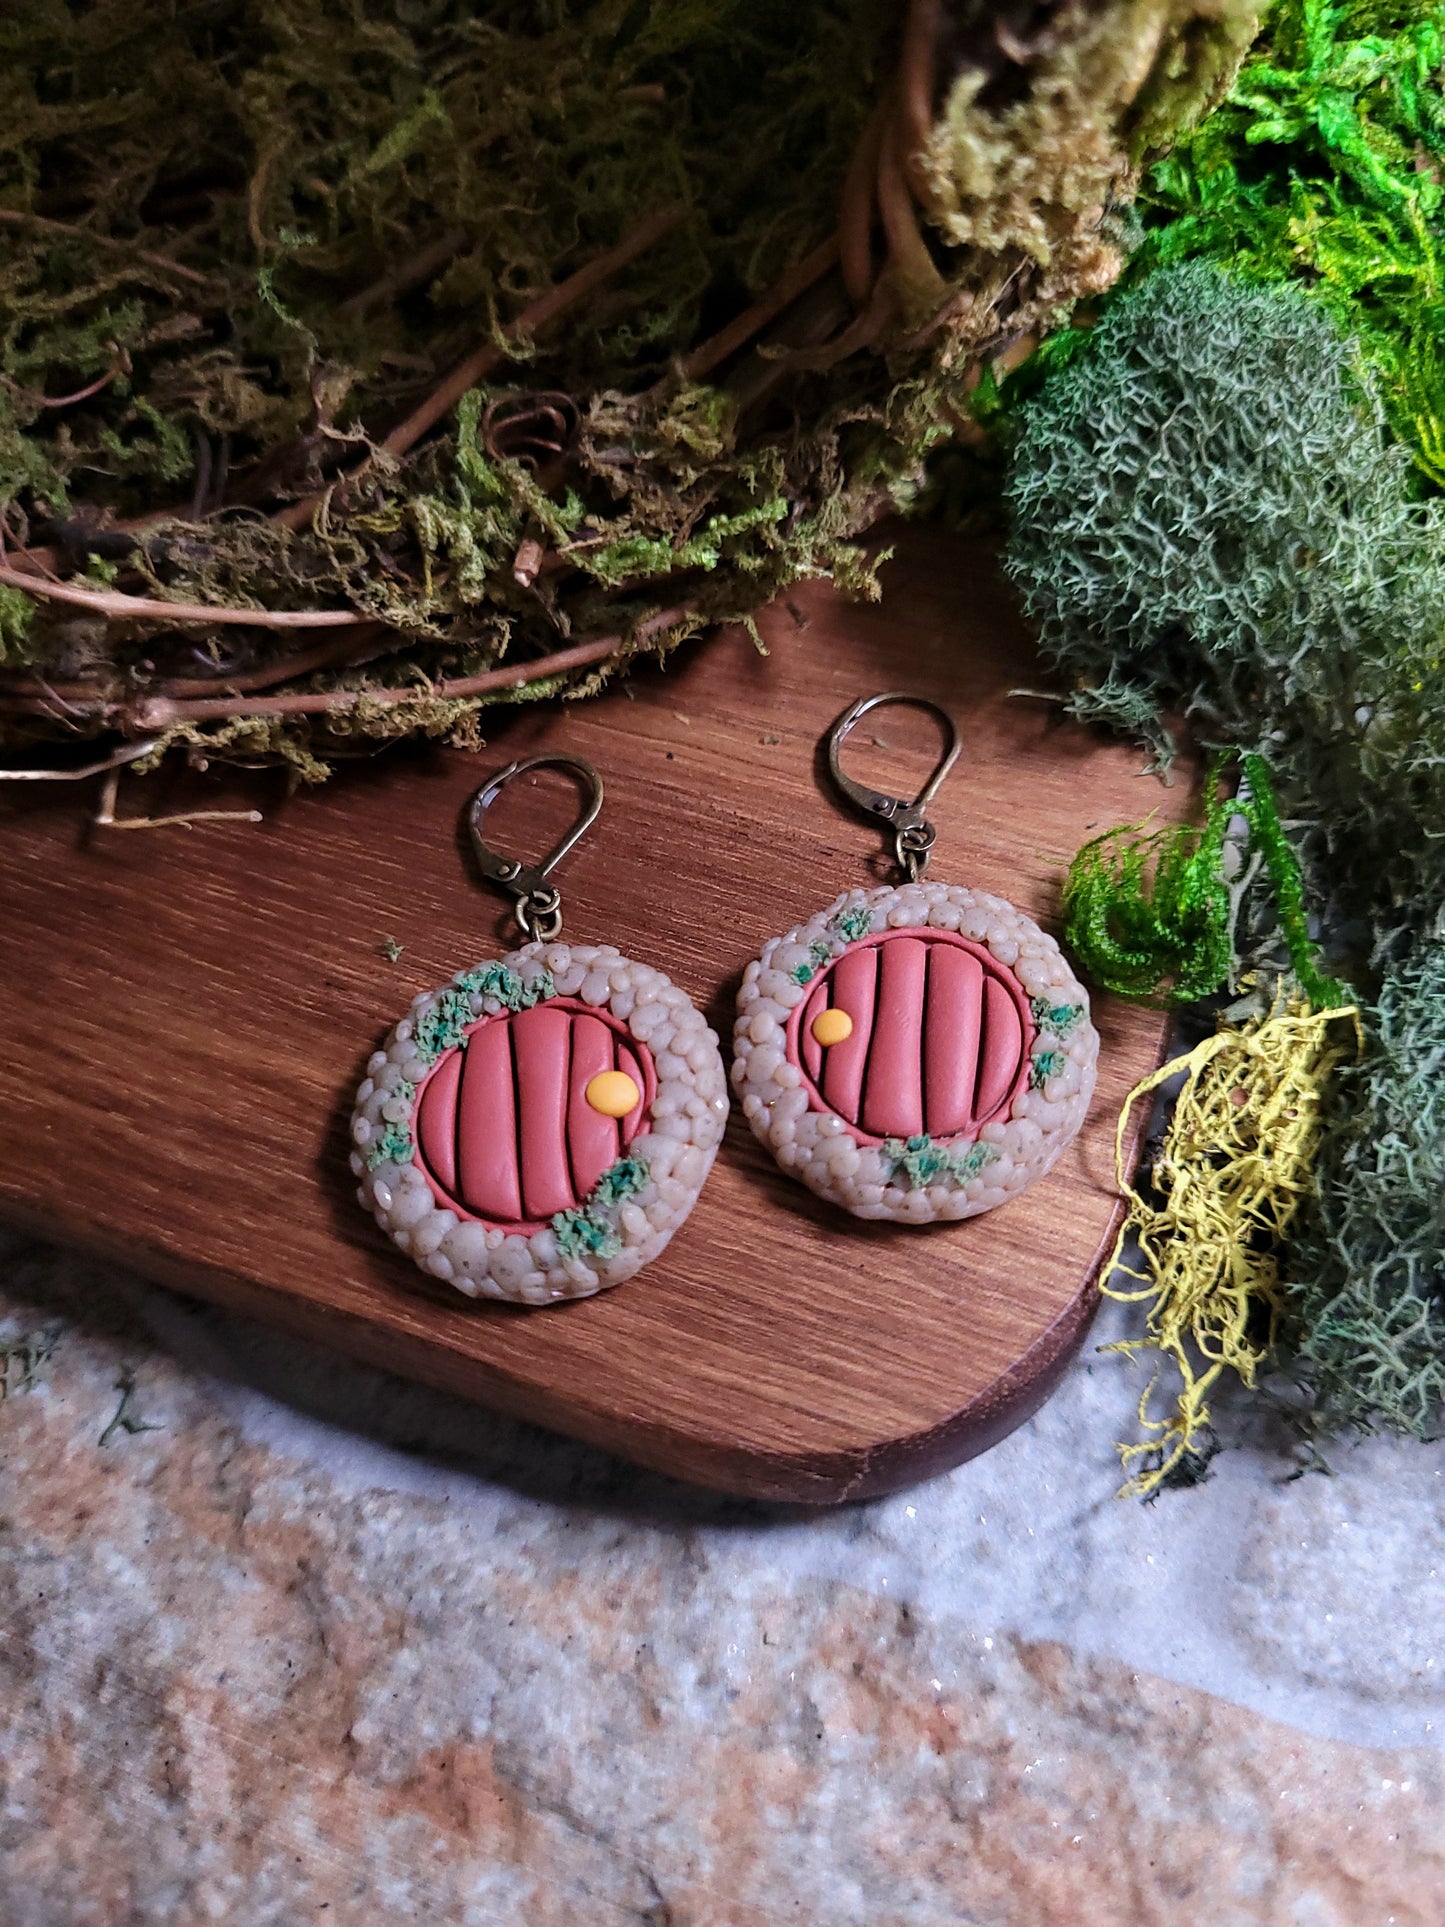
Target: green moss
819,953
1207,511
1366,1272
436,1029
234,290
590,1231
1045,1064
1326,164
1059,1020
17,612
917,1161
395,1144
623,1181
852,924
506,987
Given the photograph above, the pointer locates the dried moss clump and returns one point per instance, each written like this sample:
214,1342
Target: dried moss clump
1208,512
1011,168
1367,1272
244,247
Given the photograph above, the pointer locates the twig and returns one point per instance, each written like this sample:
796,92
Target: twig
408,274
325,655
106,819
110,602
125,1419
784,291
17,217
37,400
127,753
156,713
916,74
857,207
552,304
202,489
914,266
469,372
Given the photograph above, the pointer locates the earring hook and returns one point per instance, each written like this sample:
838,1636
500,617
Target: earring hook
913,834
539,903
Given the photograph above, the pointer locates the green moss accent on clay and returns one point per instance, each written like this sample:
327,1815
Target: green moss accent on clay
622,1181
819,953
506,987
1059,1020
395,1145
851,924
590,1231
917,1161
1043,1065
444,1023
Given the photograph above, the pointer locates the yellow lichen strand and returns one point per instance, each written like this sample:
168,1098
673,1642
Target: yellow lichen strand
1236,1164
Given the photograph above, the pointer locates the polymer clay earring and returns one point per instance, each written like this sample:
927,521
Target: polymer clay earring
538,1128
917,1052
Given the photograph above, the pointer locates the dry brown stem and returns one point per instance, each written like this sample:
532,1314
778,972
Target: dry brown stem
491,354
157,713
17,217
134,608
784,291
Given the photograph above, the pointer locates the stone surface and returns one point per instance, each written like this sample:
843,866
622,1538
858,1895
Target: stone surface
321,1646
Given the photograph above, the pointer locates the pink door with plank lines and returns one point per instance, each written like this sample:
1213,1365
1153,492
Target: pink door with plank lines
940,1039
503,1126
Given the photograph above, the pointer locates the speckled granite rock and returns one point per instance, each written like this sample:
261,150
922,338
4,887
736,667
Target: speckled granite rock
324,1647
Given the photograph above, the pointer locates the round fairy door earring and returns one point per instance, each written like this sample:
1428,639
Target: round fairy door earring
917,1053
538,1128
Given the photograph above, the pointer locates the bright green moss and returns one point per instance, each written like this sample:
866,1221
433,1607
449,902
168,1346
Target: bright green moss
1325,164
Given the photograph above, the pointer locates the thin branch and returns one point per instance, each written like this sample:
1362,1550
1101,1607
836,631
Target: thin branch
127,753
552,304
17,217
916,80
408,274
106,819
784,291
134,608
913,265
325,655
492,354
158,713
356,647
67,401
857,208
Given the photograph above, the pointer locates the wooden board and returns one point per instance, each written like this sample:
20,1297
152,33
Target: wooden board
189,1012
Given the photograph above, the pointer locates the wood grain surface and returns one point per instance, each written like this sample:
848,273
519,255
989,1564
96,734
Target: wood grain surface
189,1012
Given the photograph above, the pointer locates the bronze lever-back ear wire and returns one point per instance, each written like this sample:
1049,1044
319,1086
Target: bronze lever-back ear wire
539,903
913,834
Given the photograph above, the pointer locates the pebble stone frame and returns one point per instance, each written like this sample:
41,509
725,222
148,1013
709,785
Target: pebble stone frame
915,1053
487,1133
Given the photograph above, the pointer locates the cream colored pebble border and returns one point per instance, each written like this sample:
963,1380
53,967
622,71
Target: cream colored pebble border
668,1160
954,1178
